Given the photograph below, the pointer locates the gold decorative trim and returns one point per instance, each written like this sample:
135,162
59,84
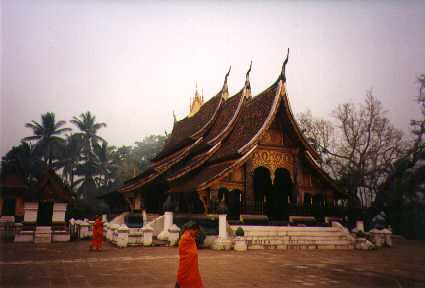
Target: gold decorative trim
273,160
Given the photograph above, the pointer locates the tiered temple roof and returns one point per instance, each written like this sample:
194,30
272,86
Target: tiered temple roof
219,137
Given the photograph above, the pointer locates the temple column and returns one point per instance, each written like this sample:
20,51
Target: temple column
222,226
222,242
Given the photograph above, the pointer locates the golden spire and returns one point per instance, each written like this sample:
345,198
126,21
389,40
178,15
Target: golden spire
196,103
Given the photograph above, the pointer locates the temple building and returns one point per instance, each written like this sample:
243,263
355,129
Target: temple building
246,150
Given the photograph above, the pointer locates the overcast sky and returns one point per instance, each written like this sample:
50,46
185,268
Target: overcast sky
132,63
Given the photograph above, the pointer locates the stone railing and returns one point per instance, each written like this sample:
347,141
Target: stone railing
157,225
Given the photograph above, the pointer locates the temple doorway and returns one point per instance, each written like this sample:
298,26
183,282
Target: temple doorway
262,188
234,204
9,207
279,196
45,213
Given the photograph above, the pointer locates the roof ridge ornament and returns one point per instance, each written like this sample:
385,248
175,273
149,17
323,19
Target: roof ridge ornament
175,118
225,90
247,83
282,73
247,75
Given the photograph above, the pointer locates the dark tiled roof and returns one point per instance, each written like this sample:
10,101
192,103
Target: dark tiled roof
205,174
191,163
51,187
198,156
252,117
224,116
185,128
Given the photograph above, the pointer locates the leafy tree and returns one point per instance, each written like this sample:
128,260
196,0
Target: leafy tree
418,126
147,149
23,159
47,135
126,165
403,193
131,161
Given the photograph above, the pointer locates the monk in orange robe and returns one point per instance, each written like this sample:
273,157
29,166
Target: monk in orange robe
97,234
188,273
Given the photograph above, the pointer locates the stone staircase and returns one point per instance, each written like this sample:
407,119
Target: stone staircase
43,234
296,238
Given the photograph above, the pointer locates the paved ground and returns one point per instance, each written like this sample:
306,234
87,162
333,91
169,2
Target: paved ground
72,265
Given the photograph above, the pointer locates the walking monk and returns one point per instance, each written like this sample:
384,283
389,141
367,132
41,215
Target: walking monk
97,234
188,273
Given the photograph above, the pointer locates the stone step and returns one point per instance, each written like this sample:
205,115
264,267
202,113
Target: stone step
327,237
304,242
285,228
42,238
43,234
292,233
305,247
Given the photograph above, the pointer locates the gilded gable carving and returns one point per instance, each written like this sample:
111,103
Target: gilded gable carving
273,159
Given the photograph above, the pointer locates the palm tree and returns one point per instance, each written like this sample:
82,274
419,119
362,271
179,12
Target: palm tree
69,158
86,123
47,134
105,163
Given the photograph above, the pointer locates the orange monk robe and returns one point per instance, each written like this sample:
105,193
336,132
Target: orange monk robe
188,274
97,234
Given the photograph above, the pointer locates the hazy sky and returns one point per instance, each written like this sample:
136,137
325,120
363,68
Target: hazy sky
132,63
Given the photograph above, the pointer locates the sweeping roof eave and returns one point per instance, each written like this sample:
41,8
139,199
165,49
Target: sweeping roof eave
312,161
208,175
156,171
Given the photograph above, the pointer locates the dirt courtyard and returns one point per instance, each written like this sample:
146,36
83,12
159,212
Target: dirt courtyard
73,265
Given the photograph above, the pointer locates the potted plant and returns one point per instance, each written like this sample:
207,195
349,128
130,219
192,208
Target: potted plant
240,243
